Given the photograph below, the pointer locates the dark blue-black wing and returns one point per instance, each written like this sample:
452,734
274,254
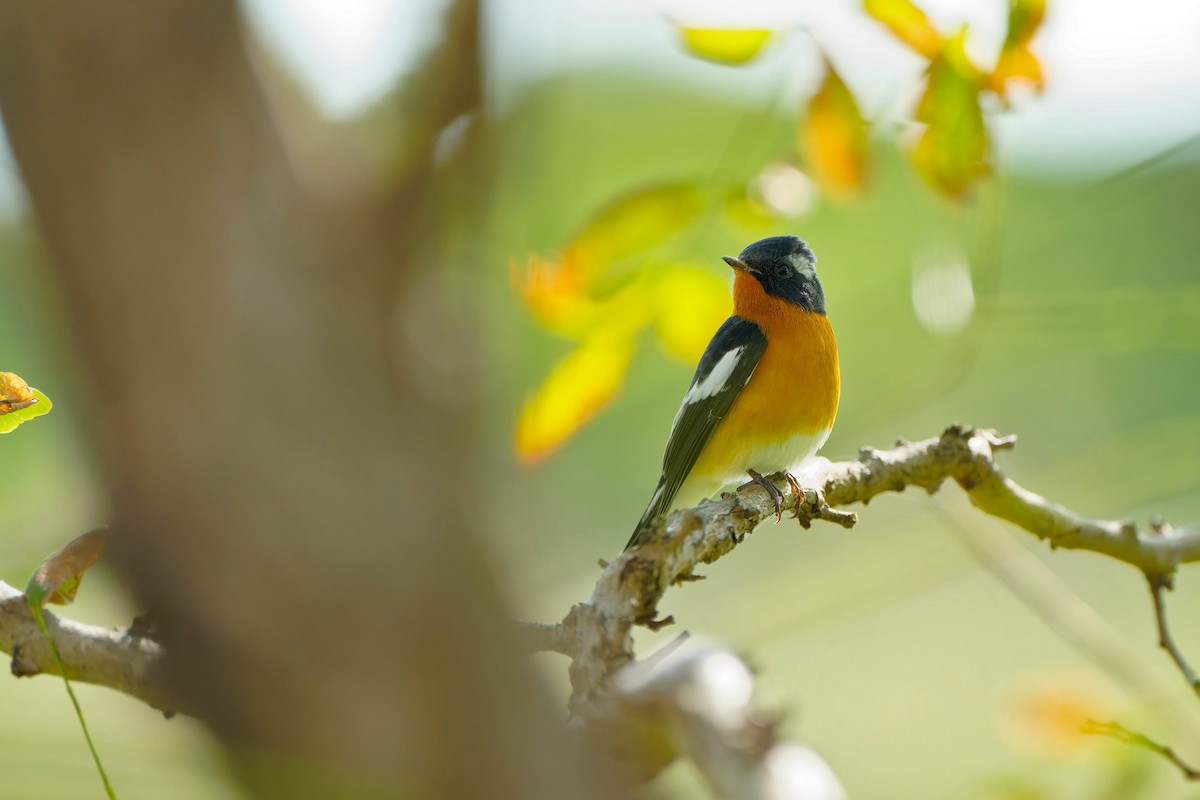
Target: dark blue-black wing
723,370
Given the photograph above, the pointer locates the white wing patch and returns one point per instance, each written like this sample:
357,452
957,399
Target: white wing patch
712,383
715,380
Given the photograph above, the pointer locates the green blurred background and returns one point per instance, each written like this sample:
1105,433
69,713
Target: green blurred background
893,649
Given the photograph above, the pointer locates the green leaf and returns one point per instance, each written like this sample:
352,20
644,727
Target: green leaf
954,151
19,402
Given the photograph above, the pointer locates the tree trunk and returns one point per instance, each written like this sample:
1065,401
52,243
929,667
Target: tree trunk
276,393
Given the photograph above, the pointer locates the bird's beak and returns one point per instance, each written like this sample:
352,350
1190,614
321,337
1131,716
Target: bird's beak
737,263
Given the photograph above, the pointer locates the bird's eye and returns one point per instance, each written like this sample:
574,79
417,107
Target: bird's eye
782,270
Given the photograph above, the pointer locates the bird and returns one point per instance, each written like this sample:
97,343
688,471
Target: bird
765,393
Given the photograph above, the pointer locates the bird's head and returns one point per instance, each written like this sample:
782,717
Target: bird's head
785,267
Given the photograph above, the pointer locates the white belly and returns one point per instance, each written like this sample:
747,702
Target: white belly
787,454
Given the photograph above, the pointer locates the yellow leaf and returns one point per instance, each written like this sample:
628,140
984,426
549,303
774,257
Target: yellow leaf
576,390
58,577
909,24
733,46
629,226
1017,61
953,152
19,402
561,291
833,136
691,304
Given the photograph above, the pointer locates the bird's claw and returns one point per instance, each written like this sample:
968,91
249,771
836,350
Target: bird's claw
771,489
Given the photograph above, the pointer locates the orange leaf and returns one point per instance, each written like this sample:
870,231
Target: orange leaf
732,46
954,150
59,576
553,291
909,24
1016,60
576,390
833,136
1047,714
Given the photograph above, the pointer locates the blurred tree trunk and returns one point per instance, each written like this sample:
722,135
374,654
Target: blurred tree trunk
287,456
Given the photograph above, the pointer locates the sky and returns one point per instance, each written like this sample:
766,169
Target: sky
1124,78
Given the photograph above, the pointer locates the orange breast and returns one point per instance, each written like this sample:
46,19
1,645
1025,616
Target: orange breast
794,389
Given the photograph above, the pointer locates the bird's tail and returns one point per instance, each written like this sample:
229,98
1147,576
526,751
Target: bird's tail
659,503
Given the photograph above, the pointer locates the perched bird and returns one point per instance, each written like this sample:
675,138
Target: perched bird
766,390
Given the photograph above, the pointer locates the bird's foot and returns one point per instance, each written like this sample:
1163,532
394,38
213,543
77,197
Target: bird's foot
771,489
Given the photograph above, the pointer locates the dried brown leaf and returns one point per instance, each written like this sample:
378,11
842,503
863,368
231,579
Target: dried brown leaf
58,577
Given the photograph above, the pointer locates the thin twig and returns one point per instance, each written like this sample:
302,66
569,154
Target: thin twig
1165,641
1116,730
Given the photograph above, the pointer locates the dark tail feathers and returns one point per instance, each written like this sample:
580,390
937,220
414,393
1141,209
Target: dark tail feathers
658,504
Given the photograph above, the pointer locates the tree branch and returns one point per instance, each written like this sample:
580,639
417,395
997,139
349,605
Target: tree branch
104,656
704,698
596,634
644,714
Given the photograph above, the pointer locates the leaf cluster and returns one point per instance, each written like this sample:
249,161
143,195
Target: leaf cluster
609,284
